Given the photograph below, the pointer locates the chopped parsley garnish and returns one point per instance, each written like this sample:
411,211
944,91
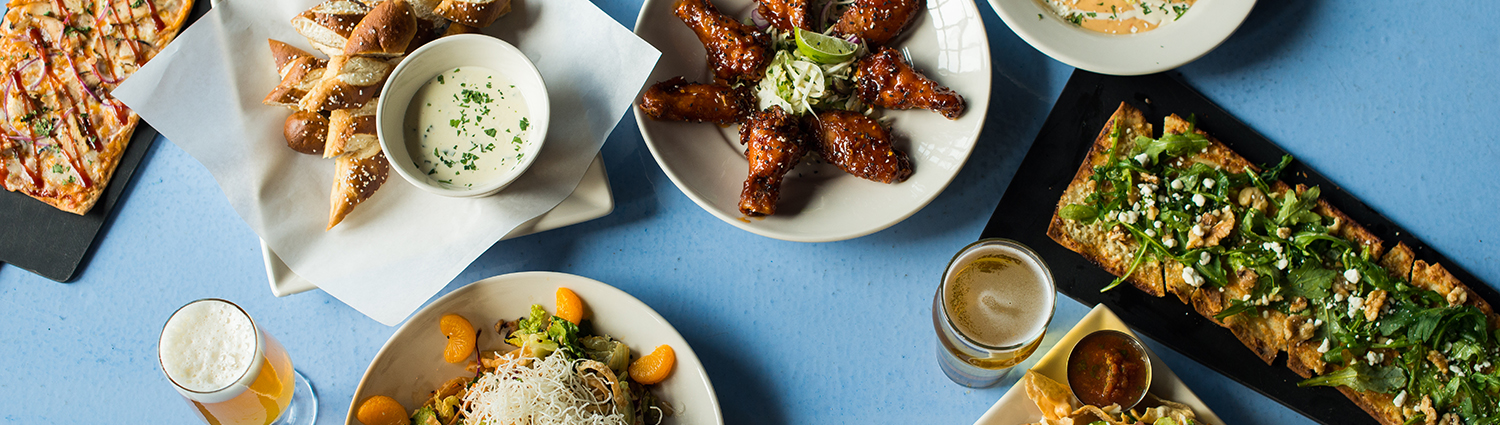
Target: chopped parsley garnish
525,123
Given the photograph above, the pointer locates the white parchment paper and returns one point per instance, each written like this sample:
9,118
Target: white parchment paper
402,245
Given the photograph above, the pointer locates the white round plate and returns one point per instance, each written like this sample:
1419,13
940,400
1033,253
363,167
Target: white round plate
820,203
411,365
1207,24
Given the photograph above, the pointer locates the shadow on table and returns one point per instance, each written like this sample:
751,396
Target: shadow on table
1273,27
744,396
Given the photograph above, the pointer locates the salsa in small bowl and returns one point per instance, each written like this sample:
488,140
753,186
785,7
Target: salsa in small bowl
1109,367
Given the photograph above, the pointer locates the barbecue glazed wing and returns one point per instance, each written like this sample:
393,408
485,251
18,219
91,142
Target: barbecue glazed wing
735,51
678,100
776,144
884,79
859,146
785,14
877,21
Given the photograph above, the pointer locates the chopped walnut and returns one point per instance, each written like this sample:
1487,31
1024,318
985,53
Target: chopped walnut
1211,228
1223,228
1373,303
1117,233
1458,296
1252,197
1297,305
1152,212
1299,328
1428,412
1450,419
1438,360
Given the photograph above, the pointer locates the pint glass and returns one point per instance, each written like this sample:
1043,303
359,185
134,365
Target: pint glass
230,370
991,311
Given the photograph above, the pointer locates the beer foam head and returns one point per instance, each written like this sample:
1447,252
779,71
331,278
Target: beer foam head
207,345
998,295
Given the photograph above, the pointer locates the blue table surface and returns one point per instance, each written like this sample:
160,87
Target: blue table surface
1394,100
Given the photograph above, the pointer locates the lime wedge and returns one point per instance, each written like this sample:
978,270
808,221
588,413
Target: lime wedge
822,48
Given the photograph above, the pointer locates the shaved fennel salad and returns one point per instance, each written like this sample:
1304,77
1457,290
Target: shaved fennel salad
552,369
799,84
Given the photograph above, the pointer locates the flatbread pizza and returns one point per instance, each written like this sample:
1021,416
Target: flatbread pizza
1283,270
64,133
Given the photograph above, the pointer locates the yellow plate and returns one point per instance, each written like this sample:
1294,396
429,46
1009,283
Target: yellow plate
1015,408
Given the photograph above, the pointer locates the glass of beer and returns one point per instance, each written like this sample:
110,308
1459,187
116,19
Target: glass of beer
991,311
230,370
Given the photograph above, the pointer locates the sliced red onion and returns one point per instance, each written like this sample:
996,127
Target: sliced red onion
827,9
760,22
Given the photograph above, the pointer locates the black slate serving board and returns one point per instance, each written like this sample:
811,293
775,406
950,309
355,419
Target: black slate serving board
55,243
1076,119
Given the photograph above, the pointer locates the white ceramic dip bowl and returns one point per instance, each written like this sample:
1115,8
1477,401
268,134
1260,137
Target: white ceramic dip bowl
441,56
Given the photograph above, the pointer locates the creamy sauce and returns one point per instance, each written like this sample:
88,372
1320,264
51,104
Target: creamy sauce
467,127
1120,16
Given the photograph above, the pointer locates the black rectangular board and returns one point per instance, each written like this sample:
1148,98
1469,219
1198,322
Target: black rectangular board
54,243
1086,103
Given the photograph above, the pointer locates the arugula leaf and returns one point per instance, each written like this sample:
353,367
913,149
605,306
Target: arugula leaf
1079,212
1361,377
1170,144
1310,281
1294,208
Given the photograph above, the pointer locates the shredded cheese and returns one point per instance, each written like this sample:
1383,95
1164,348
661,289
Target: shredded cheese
548,391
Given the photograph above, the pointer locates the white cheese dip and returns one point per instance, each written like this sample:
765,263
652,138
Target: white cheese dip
467,126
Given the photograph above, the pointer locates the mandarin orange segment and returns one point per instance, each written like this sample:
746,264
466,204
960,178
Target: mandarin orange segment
653,368
569,306
382,410
461,338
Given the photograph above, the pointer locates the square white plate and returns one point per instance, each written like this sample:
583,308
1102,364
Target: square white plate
590,200
1015,408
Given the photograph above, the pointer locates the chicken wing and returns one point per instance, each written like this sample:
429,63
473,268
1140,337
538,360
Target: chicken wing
859,146
735,51
776,144
785,14
678,100
884,79
877,21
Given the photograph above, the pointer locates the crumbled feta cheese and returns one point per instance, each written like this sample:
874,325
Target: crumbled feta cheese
1400,400
1284,233
1190,275
1151,233
1177,184
1198,199
1323,348
1143,159
1156,224
1205,258
1372,357
1338,298
1246,297
1169,241
1112,215
1276,246
1208,182
1317,322
1455,369
1281,264
1129,217
1351,275
1356,305
1264,313
1198,230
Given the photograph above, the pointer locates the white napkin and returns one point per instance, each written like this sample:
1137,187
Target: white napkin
401,246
